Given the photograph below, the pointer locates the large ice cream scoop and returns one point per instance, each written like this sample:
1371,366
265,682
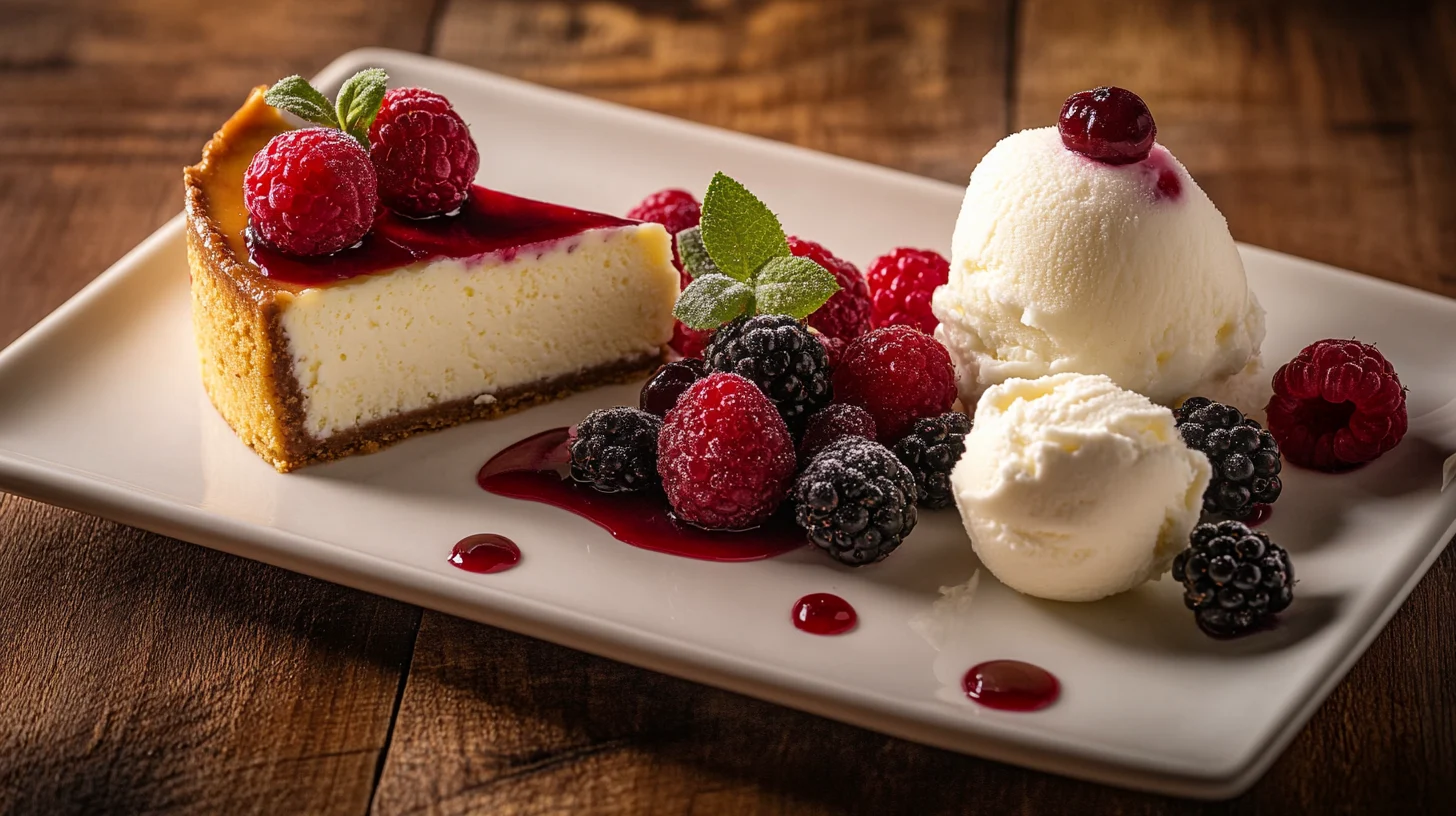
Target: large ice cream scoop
1066,262
1073,489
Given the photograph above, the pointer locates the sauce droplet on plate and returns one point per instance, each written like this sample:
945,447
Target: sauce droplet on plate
538,469
1011,685
824,614
485,553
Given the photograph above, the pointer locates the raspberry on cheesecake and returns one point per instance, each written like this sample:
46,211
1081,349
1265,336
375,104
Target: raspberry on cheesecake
419,324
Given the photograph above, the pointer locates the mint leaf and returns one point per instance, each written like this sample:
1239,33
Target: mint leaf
711,301
295,95
359,101
694,255
792,286
739,232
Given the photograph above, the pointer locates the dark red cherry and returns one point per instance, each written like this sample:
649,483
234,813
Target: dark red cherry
668,383
1111,125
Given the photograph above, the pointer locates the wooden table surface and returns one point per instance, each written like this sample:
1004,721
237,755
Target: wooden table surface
139,673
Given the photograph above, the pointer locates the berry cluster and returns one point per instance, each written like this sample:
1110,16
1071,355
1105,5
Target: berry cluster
315,191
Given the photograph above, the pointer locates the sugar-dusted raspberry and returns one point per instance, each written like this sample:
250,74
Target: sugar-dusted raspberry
901,284
899,375
847,314
423,153
311,191
833,423
1337,405
724,454
676,210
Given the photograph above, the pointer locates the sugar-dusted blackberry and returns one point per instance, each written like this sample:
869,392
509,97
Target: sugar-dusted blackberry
1244,456
856,501
779,355
615,450
930,450
1233,578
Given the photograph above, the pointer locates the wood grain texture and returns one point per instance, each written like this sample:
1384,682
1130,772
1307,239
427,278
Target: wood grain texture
143,674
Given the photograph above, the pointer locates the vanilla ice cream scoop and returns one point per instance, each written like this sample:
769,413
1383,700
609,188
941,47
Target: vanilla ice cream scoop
1062,263
1073,489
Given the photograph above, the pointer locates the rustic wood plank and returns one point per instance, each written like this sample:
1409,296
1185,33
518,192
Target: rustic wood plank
141,673
145,674
914,84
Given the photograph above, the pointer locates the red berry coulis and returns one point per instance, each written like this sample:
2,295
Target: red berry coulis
1011,685
489,222
1111,125
536,469
485,553
824,614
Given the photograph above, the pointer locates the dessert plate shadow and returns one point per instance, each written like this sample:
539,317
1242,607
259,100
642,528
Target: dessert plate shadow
101,410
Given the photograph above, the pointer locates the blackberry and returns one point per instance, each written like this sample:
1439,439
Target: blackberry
930,450
856,501
615,450
1233,578
779,355
1244,456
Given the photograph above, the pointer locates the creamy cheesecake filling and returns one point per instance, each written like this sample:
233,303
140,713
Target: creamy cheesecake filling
380,345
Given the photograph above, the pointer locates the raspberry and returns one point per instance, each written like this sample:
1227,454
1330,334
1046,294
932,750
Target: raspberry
1337,405
1244,456
687,341
781,357
931,450
724,454
676,210
667,384
856,501
423,153
311,191
835,422
1233,578
899,375
847,314
1110,125
901,284
615,450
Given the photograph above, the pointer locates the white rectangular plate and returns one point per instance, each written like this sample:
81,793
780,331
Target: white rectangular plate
101,409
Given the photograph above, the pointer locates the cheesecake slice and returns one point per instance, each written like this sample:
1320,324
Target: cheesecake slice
425,324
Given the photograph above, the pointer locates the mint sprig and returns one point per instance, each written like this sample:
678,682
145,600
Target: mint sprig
357,105
740,263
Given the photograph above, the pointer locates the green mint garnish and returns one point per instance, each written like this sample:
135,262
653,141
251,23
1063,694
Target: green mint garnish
712,300
740,263
792,286
358,103
739,232
694,255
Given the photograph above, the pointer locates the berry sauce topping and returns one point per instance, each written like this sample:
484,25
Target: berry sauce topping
488,222
538,469
1011,685
485,553
1107,124
824,614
